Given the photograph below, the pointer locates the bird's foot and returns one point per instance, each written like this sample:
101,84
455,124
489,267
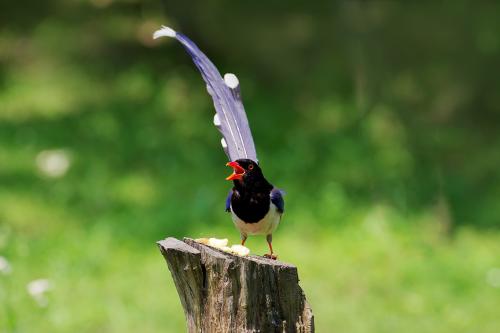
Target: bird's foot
270,256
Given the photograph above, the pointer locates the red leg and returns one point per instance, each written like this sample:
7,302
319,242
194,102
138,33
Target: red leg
269,242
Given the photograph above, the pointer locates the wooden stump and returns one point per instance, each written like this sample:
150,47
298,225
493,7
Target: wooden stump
221,292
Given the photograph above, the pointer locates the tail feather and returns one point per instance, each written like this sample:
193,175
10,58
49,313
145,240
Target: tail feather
230,118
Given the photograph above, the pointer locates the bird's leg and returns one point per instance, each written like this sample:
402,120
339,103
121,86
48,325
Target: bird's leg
270,255
243,239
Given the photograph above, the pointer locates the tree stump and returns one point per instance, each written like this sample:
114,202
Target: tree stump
221,292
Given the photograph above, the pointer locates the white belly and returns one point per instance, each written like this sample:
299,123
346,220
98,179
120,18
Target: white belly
266,226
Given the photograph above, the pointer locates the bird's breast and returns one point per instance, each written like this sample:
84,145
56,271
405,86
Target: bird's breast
251,207
265,226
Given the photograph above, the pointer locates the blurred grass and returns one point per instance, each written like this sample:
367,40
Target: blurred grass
379,119
375,275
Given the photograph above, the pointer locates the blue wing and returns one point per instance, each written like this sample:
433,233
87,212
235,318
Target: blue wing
277,199
228,201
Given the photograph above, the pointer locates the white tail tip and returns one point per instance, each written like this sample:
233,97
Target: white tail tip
164,32
217,120
231,80
223,143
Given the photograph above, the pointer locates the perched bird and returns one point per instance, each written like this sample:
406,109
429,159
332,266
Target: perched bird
256,206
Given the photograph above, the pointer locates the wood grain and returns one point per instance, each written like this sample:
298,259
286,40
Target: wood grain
221,292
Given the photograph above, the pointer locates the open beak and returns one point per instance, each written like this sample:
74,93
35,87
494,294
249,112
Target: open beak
238,171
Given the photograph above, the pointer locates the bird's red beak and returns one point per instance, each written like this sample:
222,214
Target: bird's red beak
238,171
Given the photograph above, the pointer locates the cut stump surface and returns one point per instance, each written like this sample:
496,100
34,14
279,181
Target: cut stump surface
221,292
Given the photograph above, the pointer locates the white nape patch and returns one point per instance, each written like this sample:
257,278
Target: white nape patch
217,120
164,32
231,80
223,143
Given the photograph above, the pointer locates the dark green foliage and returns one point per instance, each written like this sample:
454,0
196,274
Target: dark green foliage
379,116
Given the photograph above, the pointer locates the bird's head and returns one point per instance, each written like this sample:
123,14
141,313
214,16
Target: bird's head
244,169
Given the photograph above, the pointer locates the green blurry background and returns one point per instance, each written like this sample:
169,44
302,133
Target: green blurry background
379,119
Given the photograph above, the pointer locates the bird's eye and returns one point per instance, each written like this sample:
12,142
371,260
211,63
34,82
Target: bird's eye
250,167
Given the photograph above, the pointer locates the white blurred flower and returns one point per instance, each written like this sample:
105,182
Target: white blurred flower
53,163
37,289
493,277
5,267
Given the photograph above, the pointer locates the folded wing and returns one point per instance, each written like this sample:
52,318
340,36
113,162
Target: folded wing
277,199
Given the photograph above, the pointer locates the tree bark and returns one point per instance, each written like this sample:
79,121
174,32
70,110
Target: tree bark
221,292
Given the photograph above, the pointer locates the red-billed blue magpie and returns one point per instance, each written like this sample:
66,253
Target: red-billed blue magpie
256,206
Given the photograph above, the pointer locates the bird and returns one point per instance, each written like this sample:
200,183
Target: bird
255,205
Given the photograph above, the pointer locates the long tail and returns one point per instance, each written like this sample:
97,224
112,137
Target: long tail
230,117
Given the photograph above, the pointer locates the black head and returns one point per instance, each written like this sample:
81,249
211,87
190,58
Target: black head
247,173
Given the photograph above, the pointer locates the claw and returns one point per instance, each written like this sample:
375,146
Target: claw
270,256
